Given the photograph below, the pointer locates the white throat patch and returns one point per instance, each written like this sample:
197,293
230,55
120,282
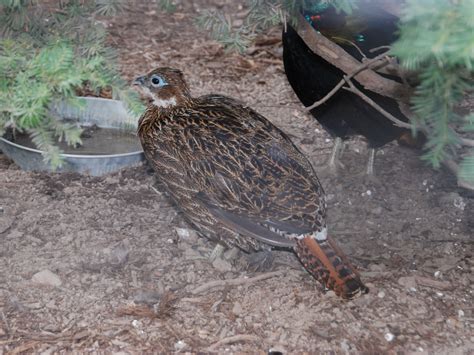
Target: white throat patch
164,103
157,101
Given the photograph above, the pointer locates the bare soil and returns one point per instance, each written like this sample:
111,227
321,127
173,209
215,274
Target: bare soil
126,274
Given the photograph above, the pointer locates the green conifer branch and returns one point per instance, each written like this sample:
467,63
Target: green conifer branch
65,52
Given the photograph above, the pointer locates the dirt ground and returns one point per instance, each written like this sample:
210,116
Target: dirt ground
89,264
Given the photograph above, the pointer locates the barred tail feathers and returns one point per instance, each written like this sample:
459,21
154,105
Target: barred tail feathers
328,264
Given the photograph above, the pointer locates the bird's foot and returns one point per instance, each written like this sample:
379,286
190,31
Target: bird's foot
216,253
257,262
370,180
333,167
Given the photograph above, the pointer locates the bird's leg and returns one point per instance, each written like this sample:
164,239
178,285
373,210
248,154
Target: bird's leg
369,175
336,152
341,151
370,162
216,253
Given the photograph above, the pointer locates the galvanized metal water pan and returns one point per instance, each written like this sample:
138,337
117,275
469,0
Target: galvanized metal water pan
104,113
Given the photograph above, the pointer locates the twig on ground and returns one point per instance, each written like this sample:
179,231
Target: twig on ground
270,61
235,282
439,285
233,339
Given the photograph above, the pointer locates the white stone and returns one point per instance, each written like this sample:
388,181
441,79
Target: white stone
237,309
182,232
46,277
179,345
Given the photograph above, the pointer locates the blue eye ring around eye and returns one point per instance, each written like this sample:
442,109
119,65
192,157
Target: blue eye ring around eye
157,81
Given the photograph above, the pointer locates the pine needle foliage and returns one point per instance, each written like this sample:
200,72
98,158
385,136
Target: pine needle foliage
437,41
262,15
48,53
167,5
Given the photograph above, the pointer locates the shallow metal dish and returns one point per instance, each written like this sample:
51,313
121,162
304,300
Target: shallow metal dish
104,113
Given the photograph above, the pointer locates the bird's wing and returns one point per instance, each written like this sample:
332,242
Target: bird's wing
244,225
250,174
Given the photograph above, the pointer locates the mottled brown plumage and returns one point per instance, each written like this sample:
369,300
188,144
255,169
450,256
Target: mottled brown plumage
238,179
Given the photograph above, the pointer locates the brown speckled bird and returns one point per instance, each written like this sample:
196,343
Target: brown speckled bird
238,179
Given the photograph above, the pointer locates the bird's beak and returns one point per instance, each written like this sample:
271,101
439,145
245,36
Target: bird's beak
139,81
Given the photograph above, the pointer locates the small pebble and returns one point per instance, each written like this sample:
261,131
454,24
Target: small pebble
187,234
345,346
381,294
46,277
222,265
389,336
437,274
179,345
237,309
182,232
460,313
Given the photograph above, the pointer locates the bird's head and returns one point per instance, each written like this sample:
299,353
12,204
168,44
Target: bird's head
164,87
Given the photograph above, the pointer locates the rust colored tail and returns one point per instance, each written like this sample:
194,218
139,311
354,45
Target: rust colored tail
328,264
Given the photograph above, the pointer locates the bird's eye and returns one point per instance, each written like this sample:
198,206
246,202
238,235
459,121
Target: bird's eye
157,81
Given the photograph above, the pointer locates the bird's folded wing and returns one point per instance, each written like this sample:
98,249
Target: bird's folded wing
254,228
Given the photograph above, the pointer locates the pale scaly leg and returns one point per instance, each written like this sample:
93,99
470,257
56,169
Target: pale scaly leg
334,162
369,175
217,252
370,162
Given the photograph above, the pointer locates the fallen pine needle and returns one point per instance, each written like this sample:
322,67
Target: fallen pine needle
235,282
